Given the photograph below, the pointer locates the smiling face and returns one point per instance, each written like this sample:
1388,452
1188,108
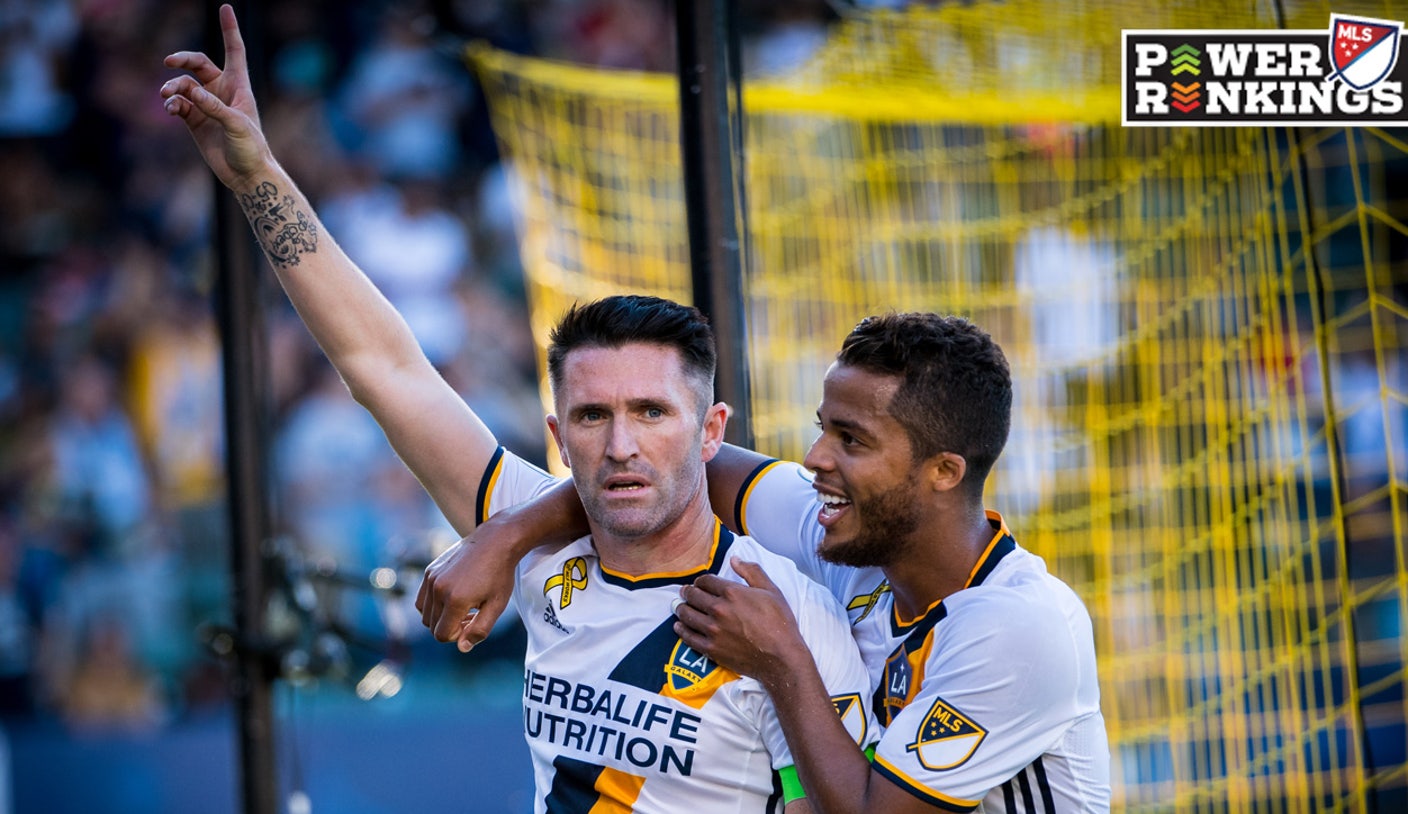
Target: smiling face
636,430
865,472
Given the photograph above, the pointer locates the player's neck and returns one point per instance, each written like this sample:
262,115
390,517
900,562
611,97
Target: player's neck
941,563
684,545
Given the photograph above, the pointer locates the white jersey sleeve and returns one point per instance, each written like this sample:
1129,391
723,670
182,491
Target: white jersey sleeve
998,685
508,480
827,633
778,507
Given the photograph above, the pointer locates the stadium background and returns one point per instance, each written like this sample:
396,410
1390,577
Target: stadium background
1206,329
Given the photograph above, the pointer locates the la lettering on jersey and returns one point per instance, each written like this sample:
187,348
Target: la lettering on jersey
619,712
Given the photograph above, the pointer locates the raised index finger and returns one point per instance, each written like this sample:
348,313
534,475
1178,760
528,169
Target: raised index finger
234,42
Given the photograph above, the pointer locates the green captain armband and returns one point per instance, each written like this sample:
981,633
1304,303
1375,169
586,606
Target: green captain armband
792,787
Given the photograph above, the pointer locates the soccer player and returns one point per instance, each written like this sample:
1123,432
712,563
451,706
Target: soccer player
982,663
619,714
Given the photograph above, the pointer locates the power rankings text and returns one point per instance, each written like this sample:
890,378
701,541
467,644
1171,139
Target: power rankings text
1205,78
606,723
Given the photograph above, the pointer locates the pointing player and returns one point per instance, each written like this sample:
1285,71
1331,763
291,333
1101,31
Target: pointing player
618,712
982,663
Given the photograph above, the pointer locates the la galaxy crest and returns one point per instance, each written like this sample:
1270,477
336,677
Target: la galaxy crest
688,668
946,737
894,691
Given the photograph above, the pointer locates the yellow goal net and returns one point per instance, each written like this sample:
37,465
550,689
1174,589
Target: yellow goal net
1207,329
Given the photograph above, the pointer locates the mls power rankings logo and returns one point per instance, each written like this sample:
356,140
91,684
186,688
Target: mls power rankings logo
1207,78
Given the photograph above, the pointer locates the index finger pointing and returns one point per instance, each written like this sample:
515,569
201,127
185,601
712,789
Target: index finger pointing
234,42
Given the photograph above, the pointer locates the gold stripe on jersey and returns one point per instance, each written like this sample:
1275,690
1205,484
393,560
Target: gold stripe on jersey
618,792
900,625
722,538
904,672
904,669
983,565
486,486
741,507
922,791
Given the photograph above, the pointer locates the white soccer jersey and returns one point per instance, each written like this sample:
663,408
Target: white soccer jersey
989,701
619,714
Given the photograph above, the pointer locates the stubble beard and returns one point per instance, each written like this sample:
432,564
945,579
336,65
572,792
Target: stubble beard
640,522
887,527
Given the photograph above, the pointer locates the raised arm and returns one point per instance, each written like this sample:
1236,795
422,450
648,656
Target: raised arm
436,434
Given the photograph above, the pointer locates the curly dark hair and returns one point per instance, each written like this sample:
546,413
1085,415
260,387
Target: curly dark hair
956,393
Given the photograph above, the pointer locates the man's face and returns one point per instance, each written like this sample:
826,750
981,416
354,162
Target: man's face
628,426
865,474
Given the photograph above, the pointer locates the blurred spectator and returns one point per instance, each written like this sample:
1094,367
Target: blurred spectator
415,250
108,688
176,392
98,477
34,35
348,500
783,36
402,100
113,523
16,630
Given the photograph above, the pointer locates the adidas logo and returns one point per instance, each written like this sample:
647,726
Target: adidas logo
550,616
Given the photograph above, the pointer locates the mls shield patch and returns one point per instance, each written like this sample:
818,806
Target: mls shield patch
1363,50
946,737
852,714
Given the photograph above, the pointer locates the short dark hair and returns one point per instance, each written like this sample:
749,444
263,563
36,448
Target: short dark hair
956,389
621,319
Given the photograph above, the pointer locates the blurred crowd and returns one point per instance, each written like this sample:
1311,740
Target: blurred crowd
113,517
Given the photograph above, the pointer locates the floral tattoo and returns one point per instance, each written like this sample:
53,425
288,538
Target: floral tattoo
284,232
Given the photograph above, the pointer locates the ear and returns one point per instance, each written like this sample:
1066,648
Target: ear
715,419
945,471
557,438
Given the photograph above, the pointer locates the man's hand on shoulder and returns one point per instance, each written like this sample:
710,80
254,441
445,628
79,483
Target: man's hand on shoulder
747,628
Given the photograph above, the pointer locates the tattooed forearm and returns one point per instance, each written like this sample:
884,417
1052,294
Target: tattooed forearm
284,232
